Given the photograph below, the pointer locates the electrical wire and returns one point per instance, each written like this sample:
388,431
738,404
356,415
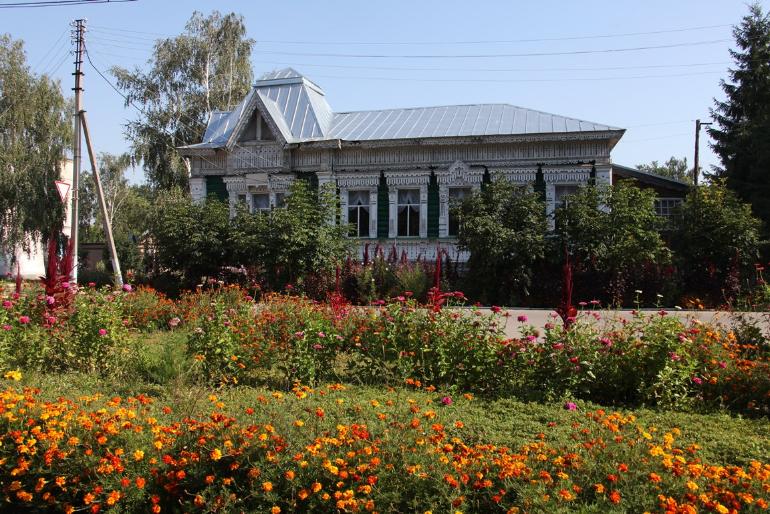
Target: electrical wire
489,56
48,53
58,3
114,30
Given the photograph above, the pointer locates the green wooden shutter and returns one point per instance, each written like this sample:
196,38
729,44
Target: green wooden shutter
383,208
433,207
215,185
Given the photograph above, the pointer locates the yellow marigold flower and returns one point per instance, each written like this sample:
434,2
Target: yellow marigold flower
692,486
267,486
721,509
138,455
215,454
14,375
299,423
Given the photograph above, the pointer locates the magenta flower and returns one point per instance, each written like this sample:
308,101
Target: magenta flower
102,332
174,322
570,406
495,309
522,318
446,400
7,304
66,285
127,288
722,364
674,356
6,327
321,335
318,347
549,326
697,380
557,346
606,341
92,284
24,320
50,300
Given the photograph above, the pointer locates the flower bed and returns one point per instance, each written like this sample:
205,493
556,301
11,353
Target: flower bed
324,450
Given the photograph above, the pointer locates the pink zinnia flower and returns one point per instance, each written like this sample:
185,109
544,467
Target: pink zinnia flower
522,318
495,309
50,300
6,327
446,400
697,380
66,285
557,346
7,304
102,332
127,288
24,320
570,406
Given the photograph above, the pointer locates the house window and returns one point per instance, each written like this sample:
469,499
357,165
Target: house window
250,132
408,212
240,201
456,197
280,200
666,207
562,192
358,213
260,202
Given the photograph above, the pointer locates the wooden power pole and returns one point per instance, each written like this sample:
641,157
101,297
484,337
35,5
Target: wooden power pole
81,128
106,221
696,163
79,35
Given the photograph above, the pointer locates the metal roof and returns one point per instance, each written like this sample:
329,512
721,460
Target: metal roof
299,109
454,121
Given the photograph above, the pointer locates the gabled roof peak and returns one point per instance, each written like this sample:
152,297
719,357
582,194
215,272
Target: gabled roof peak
286,76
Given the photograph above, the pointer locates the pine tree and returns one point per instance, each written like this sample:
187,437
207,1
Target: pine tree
741,132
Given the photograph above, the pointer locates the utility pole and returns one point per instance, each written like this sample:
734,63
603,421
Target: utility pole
79,37
696,167
106,221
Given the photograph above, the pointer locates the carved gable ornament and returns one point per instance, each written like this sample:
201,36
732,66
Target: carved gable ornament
458,172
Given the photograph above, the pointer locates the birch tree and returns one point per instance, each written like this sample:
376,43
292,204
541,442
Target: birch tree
203,69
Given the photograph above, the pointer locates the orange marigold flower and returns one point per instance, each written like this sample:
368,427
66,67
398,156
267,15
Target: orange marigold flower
215,454
654,477
599,488
199,501
302,494
289,475
566,495
615,497
315,487
267,486
622,467
140,482
138,455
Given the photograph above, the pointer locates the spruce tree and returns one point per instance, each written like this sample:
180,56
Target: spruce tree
741,132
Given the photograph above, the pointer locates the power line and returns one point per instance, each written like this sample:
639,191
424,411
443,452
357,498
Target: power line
488,80
484,56
58,3
51,49
112,30
413,68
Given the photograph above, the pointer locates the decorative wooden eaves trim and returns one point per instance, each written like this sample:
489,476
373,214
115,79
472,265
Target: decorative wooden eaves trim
357,179
609,135
407,178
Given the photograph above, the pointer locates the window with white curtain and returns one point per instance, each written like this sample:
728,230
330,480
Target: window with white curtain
408,212
358,213
456,197
260,202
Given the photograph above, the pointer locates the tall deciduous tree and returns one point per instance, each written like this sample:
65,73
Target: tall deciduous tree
206,68
34,131
613,232
503,227
672,168
742,121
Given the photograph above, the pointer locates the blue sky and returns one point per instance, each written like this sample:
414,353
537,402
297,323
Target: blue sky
656,94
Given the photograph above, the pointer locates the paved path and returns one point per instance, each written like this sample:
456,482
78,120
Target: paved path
539,317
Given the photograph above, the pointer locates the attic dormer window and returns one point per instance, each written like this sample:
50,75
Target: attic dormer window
250,132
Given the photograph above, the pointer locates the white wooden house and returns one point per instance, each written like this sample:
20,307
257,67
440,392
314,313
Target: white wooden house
396,170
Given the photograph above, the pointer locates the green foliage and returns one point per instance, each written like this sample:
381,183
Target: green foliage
716,238
672,168
204,69
34,130
612,232
742,121
291,244
190,237
503,227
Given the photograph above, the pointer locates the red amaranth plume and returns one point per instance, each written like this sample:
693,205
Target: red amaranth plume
566,310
